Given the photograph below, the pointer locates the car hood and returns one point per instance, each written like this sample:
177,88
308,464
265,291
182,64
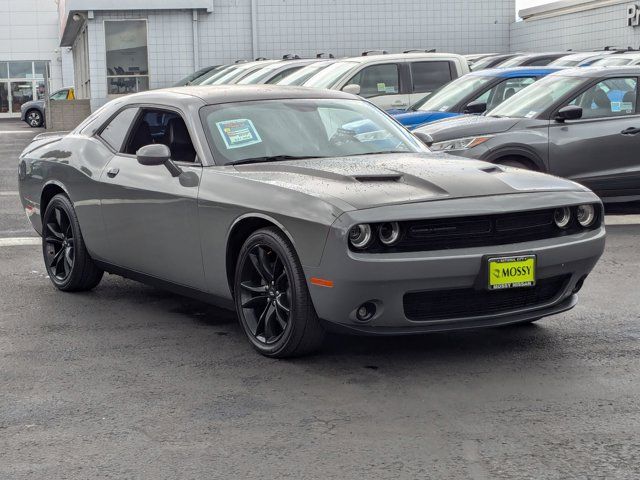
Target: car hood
466,126
376,180
413,119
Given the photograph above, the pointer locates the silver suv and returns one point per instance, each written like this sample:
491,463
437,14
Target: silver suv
391,81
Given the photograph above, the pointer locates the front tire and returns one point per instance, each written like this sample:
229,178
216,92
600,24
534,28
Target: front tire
34,118
66,258
272,299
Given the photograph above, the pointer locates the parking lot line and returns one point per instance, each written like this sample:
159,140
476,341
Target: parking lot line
10,193
19,241
13,132
622,220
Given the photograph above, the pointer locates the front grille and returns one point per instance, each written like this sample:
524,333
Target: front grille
478,231
470,302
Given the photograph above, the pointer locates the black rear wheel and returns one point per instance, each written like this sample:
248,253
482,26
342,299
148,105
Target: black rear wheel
272,299
68,263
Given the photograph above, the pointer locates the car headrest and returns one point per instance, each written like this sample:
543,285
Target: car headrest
178,133
601,99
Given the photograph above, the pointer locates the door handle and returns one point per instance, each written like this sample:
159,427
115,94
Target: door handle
630,131
112,172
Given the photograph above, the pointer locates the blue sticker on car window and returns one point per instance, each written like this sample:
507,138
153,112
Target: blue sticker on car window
238,133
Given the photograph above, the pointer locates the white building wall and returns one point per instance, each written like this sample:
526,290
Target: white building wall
29,30
580,31
304,27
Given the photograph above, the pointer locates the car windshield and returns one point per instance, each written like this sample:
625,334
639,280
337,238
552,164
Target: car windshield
566,62
328,77
512,62
483,63
613,61
452,93
212,76
231,75
304,74
531,101
272,130
260,75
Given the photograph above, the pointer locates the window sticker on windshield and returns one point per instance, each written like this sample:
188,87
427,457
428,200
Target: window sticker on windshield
238,133
391,89
381,87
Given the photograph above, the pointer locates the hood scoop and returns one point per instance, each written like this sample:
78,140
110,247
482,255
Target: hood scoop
378,178
492,169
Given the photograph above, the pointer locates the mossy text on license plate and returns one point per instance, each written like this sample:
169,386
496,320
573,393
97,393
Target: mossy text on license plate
512,272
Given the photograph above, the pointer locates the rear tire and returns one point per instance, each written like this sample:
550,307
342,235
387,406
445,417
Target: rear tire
66,258
272,299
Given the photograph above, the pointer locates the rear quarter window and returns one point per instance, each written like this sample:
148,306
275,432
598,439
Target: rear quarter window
116,130
429,76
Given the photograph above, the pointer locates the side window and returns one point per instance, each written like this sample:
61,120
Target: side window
115,132
378,80
540,62
429,76
284,73
503,91
613,97
60,95
165,127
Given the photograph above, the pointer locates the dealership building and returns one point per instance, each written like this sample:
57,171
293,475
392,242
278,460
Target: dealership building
108,48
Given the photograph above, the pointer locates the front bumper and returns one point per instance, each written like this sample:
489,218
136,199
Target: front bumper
384,279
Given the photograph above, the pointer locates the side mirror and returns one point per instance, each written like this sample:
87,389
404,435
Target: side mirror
352,88
424,138
157,154
476,107
570,112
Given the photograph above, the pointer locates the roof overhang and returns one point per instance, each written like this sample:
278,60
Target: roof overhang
74,13
565,7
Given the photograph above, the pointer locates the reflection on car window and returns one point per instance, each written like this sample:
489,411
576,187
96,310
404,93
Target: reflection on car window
452,93
613,97
504,91
302,128
377,80
60,95
531,101
114,133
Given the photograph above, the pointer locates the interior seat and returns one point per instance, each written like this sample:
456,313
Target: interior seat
179,142
141,138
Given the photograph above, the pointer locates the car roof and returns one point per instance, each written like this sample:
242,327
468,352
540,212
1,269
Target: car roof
541,54
624,55
401,56
217,94
599,72
513,72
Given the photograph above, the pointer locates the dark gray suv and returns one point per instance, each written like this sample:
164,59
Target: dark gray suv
580,123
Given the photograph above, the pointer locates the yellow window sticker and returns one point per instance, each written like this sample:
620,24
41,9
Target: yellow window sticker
382,87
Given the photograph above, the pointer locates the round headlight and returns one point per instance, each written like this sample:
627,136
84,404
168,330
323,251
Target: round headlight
360,235
586,215
389,233
562,217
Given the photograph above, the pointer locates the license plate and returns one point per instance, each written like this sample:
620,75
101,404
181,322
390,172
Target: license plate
512,272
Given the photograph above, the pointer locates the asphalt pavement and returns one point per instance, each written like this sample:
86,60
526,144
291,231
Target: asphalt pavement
130,382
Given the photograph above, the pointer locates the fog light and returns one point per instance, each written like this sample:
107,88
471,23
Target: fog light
366,311
586,215
360,235
562,217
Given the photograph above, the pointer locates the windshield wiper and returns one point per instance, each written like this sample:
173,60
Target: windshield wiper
273,158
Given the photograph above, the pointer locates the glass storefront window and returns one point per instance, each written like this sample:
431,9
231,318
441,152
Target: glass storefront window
4,97
21,92
127,56
4,72
40,69
20,69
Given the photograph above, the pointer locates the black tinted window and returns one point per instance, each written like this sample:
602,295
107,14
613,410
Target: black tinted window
378,80
115,133
429,76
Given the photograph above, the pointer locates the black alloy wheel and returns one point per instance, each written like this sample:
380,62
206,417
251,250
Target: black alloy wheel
265,294
66,258
272,298
59,252
34,118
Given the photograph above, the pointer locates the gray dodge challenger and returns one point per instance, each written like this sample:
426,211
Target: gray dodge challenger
304,210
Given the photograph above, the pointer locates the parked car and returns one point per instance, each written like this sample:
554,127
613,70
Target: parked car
299,77
619,60
532,59
258,198
236,72
276,71
580,123
474,57
582,59
471,93
33,112
491,62
193,77
391,81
